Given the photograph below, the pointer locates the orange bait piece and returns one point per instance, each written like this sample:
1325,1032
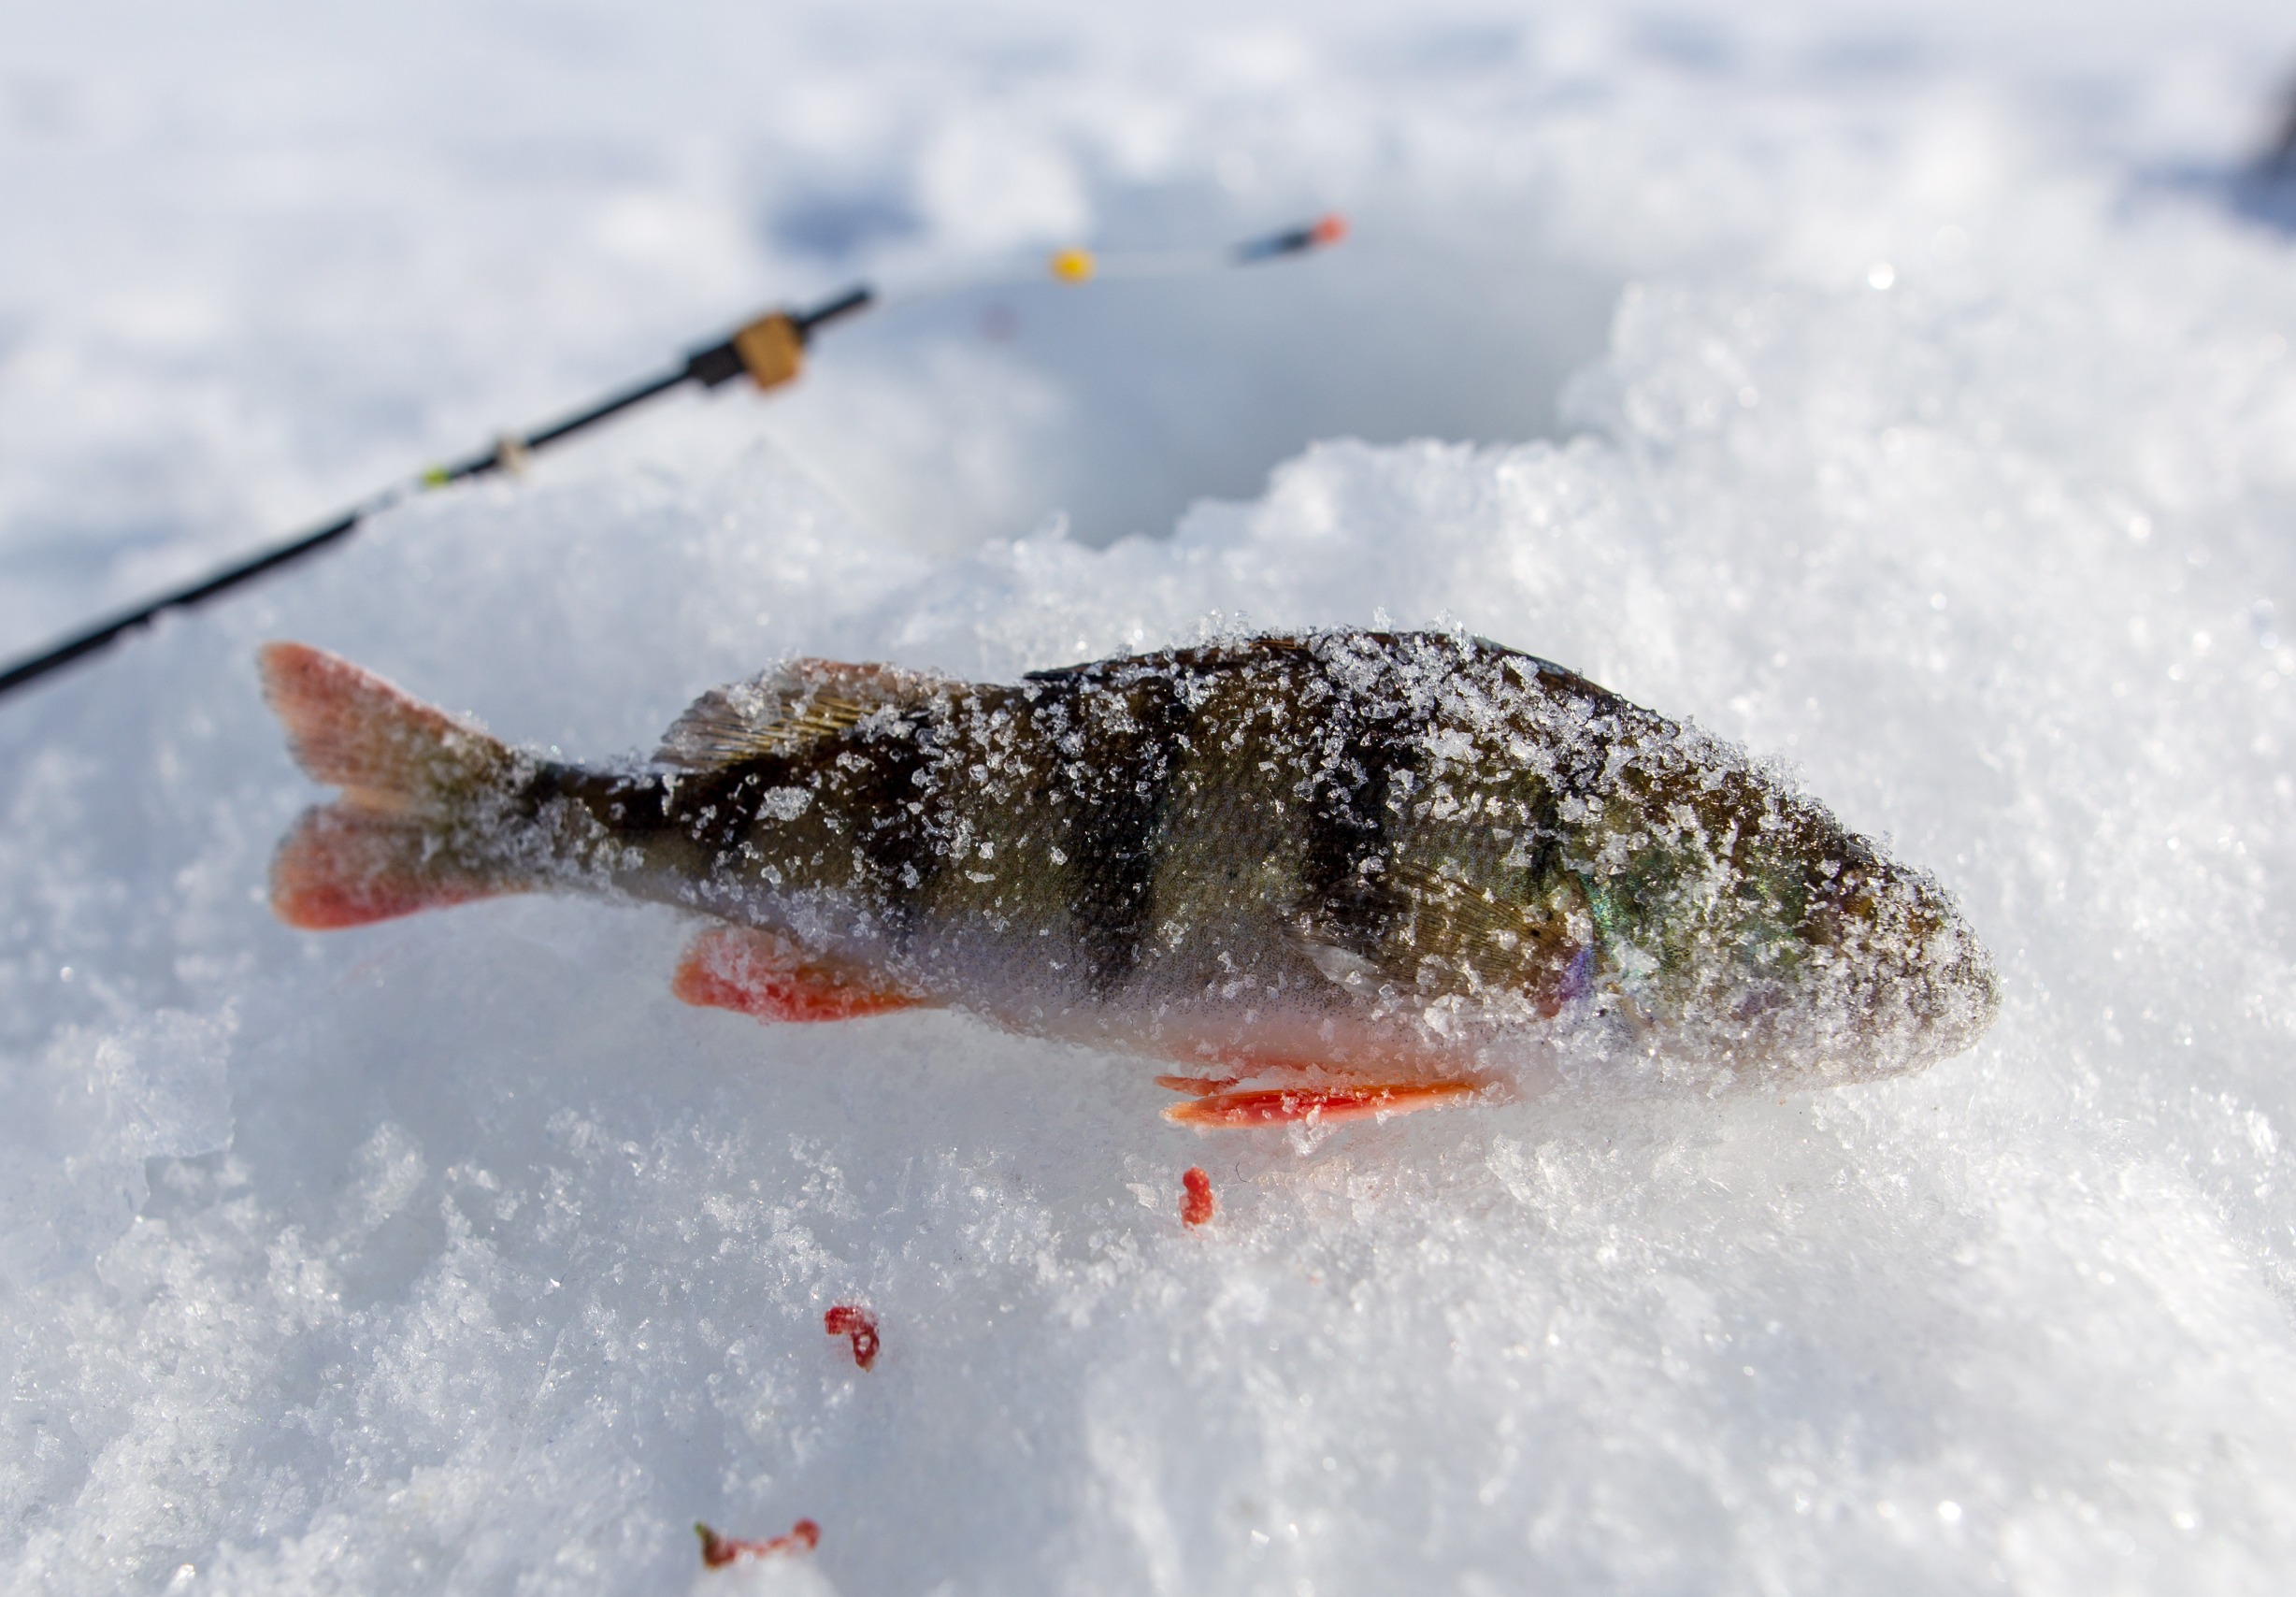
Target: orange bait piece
718,1551
1196,1203
860,1325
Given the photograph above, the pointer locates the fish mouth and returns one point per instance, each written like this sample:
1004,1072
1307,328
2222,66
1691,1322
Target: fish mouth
1963,989
1882,975
1922,986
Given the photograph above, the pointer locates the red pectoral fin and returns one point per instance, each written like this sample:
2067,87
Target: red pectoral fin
1326,1105
731,967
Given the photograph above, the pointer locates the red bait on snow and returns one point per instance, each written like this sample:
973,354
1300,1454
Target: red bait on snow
1196,1203
718,1551
857,1326
1338,876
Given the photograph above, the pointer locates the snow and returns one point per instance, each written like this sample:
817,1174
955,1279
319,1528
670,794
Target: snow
1903,392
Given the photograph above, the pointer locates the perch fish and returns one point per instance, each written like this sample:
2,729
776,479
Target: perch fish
1332,875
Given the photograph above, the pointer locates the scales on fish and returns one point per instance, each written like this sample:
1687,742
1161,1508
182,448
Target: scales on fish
1333,874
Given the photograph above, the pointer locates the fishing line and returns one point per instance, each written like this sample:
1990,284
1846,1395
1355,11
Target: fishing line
770,351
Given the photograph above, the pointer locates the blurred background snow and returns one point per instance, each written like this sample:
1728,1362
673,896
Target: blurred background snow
1902,389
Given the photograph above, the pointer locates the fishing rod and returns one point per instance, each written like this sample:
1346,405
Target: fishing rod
771,351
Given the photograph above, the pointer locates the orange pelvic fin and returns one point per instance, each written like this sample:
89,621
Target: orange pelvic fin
757,973
1280,1106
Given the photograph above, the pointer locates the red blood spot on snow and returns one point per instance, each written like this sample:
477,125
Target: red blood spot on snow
1197,1206
718,1551
858,1324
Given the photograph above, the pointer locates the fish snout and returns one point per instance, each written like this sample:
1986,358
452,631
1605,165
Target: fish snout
1933,983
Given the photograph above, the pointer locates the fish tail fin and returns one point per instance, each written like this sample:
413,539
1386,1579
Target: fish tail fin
409,773
390,754
342,866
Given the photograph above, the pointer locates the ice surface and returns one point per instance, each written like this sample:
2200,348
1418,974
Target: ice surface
1942,444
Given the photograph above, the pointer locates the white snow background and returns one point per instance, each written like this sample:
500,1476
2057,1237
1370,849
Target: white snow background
1904,391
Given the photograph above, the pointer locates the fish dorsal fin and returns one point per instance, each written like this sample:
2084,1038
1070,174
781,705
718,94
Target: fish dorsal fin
785,708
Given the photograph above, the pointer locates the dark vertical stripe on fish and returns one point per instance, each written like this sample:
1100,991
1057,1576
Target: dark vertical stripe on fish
624,803
717,808
895,841
1352,830
1113,871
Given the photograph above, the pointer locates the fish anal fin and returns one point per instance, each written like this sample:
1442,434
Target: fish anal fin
784,708
758,974
1197,1086
346,865
1324,1106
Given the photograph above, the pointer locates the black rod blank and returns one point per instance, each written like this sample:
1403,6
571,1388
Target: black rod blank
770,349
103,632
711,365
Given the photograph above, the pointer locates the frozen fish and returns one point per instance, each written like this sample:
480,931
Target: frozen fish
1330,874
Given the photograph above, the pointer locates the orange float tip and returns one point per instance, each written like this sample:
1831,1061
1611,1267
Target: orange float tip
1329,229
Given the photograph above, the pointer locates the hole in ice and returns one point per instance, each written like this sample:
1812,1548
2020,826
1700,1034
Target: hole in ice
1118,409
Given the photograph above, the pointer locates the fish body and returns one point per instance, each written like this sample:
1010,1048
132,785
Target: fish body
1420,861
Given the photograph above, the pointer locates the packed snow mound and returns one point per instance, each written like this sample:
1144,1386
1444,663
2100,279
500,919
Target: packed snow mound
456,1254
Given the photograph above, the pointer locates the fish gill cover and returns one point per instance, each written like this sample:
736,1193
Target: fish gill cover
1902,395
